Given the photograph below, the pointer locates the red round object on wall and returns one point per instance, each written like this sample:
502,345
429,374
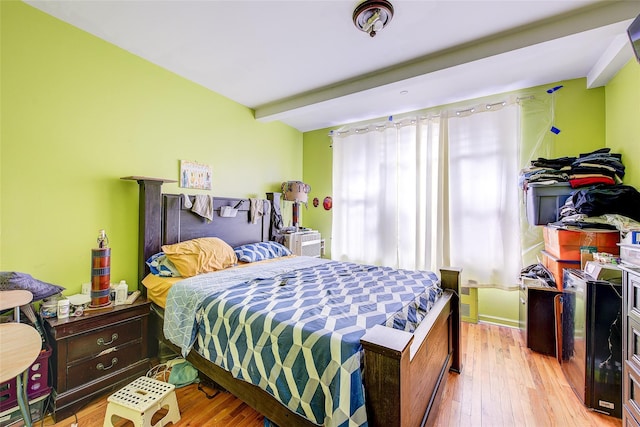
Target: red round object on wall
327,203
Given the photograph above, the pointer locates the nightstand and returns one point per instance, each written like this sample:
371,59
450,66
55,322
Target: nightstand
97,353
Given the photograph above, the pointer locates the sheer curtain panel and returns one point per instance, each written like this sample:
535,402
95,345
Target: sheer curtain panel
484,236
384,191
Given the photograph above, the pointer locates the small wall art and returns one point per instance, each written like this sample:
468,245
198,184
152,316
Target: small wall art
195,175
327,203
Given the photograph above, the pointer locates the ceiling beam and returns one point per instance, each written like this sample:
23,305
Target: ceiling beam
613,59
584,19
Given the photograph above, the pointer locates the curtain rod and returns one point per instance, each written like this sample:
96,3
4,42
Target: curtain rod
411,119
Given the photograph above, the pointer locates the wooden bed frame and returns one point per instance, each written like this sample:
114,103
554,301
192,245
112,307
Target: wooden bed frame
404,373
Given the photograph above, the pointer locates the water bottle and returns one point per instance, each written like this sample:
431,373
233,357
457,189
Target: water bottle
121,293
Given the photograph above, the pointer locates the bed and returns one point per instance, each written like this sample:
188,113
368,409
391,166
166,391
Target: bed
389,376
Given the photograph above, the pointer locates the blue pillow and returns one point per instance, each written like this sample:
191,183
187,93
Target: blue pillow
260,251
11,280
161,265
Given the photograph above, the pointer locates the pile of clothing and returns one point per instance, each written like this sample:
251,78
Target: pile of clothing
540,272
598,200
596,185
598,167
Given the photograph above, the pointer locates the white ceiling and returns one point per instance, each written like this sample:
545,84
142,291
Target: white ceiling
304,63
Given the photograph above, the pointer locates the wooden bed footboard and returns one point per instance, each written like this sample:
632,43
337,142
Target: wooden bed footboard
405,372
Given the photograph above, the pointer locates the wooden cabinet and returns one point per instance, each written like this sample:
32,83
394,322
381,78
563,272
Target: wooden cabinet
541,324
97,353
631,345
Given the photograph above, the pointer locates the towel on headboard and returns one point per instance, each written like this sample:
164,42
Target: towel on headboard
186,201
203,206
258,208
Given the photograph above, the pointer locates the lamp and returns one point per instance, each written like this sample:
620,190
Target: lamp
296,192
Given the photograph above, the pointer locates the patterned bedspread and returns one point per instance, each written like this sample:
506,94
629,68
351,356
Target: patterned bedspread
295,330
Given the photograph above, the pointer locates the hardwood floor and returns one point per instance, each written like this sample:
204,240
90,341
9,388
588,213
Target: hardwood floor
502,384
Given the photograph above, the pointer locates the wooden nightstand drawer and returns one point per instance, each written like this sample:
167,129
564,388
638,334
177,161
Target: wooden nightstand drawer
94,343
103,365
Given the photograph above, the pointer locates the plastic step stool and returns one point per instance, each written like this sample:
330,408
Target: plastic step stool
140,400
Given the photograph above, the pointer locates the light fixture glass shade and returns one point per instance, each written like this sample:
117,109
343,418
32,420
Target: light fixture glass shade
372,16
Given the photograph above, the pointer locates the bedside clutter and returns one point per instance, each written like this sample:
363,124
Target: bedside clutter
571,248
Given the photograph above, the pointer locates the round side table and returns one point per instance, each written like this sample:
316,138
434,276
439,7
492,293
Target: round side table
20,346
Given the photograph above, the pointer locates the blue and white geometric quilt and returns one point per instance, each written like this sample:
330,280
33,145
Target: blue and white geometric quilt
296,334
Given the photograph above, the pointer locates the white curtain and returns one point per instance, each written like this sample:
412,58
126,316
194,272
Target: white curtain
384,192
484,236
427,192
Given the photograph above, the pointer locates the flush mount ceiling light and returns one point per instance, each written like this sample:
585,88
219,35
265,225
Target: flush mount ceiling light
371,16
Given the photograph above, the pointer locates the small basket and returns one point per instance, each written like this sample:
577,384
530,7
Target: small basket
37,383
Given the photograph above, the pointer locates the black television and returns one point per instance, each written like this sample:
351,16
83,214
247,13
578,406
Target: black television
634,36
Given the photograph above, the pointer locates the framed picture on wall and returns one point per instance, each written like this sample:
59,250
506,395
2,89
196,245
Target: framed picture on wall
195,175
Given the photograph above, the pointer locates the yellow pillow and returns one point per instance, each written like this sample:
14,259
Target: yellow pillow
202,255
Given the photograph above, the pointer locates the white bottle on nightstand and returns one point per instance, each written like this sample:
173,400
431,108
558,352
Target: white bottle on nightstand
121,293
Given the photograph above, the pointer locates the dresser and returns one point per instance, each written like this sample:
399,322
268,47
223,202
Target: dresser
631,346
96,353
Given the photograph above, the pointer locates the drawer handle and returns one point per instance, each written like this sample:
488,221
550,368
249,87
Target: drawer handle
113,338
101,367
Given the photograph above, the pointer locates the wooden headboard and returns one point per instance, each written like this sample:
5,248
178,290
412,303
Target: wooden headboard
163,220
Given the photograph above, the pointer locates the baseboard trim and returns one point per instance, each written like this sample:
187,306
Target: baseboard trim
499,321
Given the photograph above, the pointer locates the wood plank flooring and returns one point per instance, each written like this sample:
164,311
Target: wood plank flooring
502,384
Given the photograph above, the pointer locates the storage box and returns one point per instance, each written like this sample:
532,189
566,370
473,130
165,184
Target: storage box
556,265
37,383
543,201
566,244
630,254
37,409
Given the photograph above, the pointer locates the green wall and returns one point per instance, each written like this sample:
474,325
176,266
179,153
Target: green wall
623,119
579,113
317,166
77,114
